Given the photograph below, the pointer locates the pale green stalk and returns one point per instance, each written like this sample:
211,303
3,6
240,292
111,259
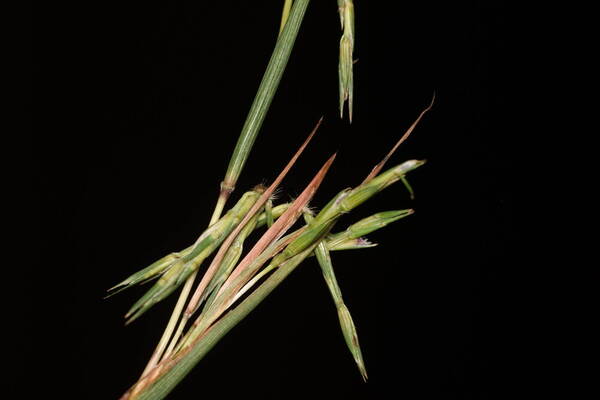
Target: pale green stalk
162,343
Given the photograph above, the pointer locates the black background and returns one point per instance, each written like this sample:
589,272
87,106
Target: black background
136,110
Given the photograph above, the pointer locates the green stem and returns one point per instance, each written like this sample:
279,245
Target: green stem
223,196
185,292
264,96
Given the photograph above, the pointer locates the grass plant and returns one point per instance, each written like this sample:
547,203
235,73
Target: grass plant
234,283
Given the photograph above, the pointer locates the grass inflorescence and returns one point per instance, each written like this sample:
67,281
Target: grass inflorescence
234,282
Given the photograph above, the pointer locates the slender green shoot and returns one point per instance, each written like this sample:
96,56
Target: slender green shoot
264,96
